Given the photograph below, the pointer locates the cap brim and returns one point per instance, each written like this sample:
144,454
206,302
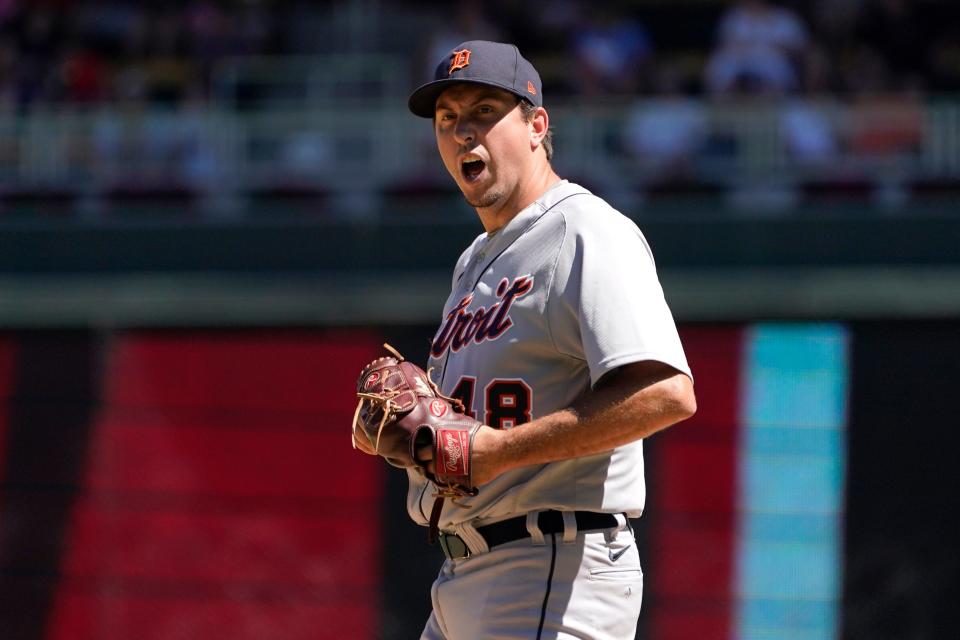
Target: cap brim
423,101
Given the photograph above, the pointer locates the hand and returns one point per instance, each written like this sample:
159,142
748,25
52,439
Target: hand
484,444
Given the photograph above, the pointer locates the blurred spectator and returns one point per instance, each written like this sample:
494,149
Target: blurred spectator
196,160
889,125
848,79
885,115
307,153
83,75
136,147
808,133
807,127
69,50
665,132
90,51
759,46
761,23
610,52
169,71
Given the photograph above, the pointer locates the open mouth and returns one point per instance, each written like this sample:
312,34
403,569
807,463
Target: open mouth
472,168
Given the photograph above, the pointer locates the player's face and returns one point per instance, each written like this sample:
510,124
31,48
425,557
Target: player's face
484,143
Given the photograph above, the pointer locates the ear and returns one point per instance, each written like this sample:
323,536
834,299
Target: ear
539,125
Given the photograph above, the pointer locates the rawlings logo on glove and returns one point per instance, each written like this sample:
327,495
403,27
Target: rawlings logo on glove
452,460
400,411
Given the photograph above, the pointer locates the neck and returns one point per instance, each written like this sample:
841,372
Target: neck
541,179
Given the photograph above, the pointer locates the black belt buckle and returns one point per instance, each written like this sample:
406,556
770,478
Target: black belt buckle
453,546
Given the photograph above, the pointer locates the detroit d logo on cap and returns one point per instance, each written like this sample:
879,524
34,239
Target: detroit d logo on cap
459,60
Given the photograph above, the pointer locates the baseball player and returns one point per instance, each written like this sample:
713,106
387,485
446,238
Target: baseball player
557,340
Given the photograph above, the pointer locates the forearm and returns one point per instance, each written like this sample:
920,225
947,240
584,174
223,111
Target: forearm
602,419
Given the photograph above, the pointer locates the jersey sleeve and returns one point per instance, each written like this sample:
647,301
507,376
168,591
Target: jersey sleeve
606,303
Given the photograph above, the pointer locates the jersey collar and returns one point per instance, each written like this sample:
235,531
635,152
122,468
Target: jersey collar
509,232
500,240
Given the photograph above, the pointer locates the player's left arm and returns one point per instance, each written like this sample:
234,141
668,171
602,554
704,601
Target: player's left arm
631,402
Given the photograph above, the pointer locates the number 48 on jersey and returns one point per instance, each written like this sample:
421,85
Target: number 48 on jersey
507,403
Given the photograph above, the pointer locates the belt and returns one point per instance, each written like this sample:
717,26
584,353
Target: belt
505,531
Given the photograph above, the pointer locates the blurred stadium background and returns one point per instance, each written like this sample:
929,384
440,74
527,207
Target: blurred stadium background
211,211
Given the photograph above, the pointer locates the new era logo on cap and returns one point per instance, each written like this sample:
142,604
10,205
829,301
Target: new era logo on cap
494,64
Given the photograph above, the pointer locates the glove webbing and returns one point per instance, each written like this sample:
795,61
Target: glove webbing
389,411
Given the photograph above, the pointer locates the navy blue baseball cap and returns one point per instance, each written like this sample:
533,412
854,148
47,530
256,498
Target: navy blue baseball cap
479,62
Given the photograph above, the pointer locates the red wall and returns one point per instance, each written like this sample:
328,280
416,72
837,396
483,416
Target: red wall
220,497
692,499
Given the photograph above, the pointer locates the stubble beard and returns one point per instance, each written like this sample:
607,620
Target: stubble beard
486,200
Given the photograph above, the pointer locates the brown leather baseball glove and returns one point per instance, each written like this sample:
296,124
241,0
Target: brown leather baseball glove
401,411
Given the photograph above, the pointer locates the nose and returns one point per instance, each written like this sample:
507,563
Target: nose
464,131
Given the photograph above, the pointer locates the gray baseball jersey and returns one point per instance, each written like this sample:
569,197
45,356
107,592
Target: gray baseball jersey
538,312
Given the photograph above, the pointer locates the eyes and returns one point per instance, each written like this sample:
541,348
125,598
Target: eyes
480,111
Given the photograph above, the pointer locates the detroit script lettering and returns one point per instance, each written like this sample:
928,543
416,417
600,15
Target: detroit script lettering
463,326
